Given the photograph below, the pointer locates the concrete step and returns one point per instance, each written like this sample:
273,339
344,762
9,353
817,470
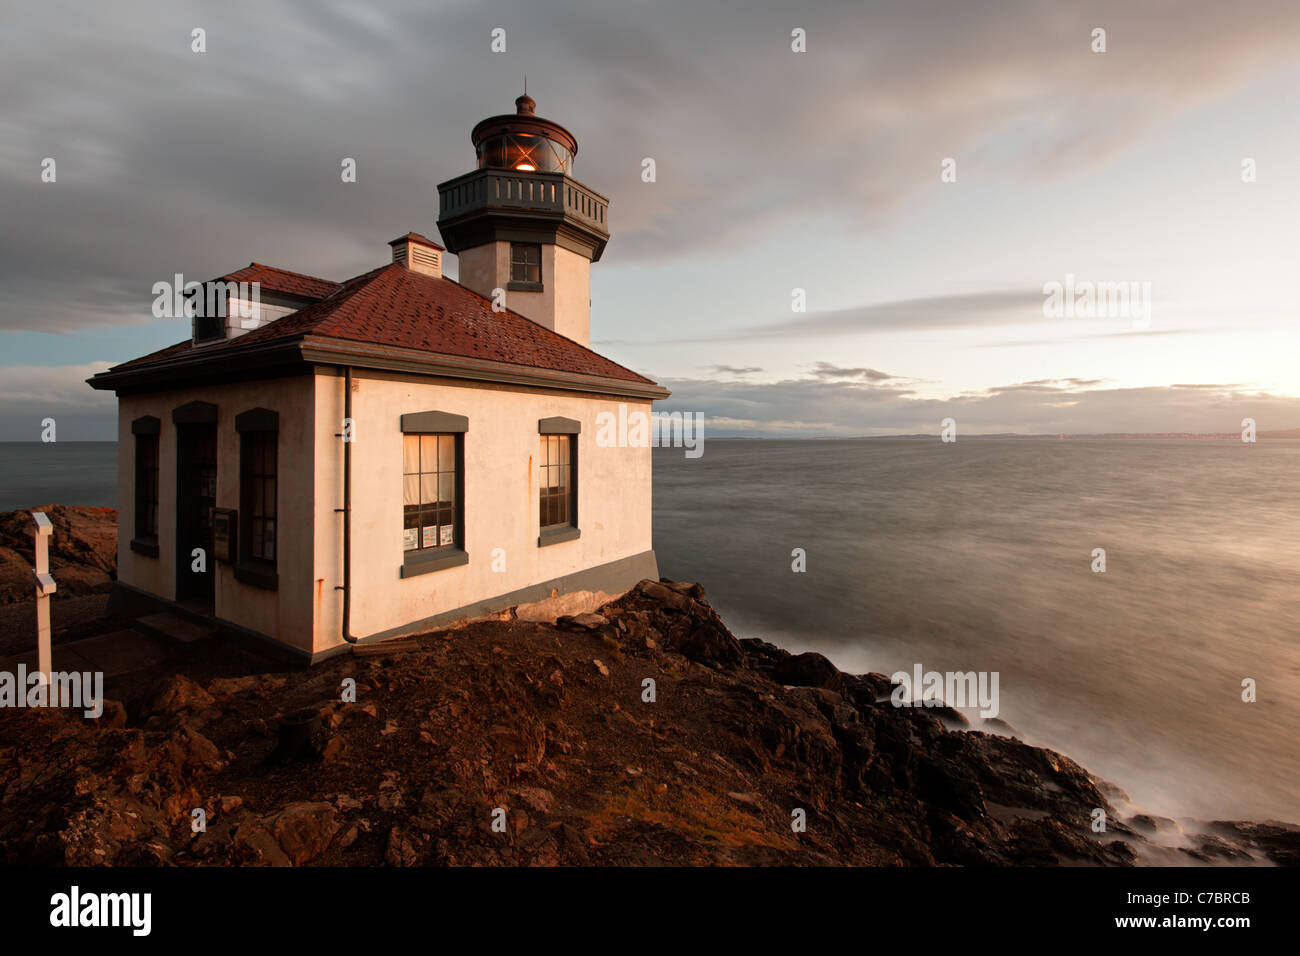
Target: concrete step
174,627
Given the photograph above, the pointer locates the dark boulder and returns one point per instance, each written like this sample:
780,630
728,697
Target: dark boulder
709,644
809,670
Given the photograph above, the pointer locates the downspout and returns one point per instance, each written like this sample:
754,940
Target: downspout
347,509
347,634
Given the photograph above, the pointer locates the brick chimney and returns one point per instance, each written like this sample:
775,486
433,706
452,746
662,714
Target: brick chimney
418,253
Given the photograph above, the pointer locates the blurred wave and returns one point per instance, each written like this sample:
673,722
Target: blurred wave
977,555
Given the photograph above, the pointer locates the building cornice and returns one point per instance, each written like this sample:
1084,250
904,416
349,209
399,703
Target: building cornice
301,355
342,352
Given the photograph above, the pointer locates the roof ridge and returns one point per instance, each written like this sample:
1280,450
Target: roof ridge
394,306
290,272
348,289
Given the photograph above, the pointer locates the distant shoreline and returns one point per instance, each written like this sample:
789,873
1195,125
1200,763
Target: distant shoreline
1286,434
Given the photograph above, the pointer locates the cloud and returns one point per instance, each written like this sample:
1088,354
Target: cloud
816,407
29,394
173,161
1148,333
966,310
1075,382
827,370
730,370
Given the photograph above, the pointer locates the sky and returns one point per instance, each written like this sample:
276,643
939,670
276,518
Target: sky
776,170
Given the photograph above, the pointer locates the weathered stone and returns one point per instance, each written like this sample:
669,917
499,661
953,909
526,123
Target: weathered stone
224,687
258,847
400,851
665,596
303,830
113,717
809,669
581,622
335,749
173,695
83,551
536,799
189,751
709,643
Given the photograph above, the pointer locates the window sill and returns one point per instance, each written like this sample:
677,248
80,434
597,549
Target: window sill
514,286
145,546
260,576
417,562
556,535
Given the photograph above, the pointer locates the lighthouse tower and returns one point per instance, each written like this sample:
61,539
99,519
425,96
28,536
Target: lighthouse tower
520,223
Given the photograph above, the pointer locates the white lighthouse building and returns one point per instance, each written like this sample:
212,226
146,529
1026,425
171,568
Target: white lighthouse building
377,456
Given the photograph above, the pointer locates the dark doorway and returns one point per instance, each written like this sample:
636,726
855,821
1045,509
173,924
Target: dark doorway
196,495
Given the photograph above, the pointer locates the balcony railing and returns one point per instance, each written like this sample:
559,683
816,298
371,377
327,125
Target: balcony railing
507,189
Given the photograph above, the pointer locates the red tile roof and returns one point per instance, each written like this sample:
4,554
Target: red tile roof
282,280
394,306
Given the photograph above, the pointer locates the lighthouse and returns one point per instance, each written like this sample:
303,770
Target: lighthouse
525,231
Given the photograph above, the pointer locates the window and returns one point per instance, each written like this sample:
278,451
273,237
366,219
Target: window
557,474
209,327
526,263
557,459
257,453
146,431
433,492
146,486
259,529
431,504
525,152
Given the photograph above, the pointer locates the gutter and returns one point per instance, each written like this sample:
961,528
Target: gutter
280,358
390,358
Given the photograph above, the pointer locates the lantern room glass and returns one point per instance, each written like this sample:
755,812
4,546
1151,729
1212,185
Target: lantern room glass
527,152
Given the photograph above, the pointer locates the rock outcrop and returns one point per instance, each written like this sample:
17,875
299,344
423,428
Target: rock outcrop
83,551
641,733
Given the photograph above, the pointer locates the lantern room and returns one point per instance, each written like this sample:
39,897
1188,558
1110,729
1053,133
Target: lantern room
523,230
524,141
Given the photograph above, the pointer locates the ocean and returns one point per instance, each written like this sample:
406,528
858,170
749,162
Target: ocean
978,556
57,473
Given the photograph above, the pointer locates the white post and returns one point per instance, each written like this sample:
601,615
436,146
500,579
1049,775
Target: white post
44,588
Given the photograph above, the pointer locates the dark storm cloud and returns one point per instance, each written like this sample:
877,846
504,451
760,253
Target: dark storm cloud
173,161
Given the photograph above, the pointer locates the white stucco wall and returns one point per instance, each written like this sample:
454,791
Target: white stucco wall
563,305
500,506
286,613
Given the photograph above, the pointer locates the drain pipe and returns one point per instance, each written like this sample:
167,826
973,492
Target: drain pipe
347,509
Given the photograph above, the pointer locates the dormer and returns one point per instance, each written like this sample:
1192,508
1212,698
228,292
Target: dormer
231,305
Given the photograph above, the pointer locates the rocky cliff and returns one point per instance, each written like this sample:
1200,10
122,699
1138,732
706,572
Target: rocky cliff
643,734
83,551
